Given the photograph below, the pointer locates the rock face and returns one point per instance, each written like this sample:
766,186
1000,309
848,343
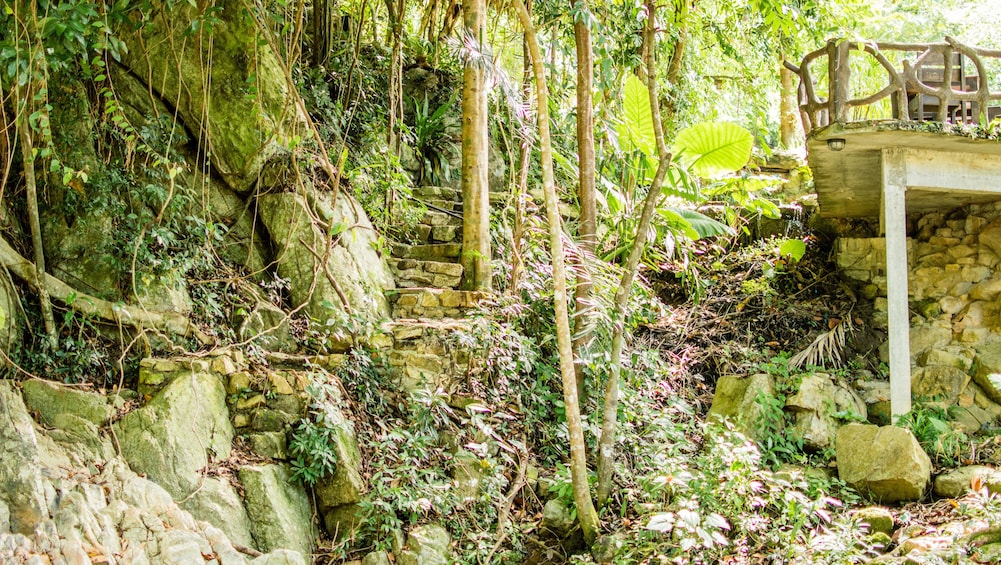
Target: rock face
54,512
820,405
178,432
426,545
22,498
886,463
246,109
735,399
50,400
353,262
278,508
9,332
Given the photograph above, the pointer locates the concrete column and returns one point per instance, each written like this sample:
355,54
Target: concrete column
894,222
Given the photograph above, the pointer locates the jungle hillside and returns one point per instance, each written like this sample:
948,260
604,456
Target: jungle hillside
482,281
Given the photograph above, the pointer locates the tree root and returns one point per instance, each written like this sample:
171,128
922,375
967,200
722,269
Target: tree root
122,314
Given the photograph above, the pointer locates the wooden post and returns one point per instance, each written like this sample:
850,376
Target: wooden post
895,224
838,75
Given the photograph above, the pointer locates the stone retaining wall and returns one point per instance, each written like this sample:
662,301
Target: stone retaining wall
954,287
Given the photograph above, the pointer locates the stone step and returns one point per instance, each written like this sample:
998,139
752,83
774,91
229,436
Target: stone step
435,303
422,233
441,252
414,273
440,192
433,203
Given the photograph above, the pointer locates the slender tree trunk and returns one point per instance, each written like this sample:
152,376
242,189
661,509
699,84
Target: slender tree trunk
587,229
524,154
397,9
323,30
789,125
606,443
23,109
586,514
475,154
674,65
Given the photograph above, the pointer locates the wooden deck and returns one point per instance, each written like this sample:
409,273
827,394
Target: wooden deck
936,98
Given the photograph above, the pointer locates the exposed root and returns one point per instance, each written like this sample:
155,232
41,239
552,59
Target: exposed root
123,314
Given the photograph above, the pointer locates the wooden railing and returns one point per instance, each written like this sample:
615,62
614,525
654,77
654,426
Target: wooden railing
944,82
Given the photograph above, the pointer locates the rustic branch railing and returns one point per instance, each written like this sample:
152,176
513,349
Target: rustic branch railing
907,87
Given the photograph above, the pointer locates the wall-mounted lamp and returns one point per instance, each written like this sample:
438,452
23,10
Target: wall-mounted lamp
835,144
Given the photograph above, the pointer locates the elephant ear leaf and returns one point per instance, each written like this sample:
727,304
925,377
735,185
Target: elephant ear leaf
711,149
636,128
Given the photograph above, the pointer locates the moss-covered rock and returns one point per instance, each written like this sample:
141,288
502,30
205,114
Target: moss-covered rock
886,463
50,400
21,491
352,262
231,87
280,515
736,399
180,430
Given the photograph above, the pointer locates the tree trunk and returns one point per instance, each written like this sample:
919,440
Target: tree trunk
606,443
587,229
791,132
397,9
323,30
674,66
521,187
475,183
23,110
586,514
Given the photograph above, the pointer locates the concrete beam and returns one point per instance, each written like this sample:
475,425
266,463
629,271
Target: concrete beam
896,172
951,171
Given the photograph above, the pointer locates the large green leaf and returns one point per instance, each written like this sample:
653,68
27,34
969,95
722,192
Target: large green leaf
714,148
693,224
636,129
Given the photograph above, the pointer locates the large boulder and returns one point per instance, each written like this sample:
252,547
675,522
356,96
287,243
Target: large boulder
279,510
886,463
175,436
352,261
51,400
820,406
246,110
22,496
426,545
345,485
218,503
736,399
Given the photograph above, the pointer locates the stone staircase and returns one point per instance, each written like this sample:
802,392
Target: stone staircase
427,309
427,269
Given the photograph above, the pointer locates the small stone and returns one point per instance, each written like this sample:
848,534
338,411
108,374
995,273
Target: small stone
223,365
252,402
238,382
878,519
279,384
556,517
956,482
269,444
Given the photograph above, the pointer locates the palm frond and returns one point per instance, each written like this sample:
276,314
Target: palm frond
827,346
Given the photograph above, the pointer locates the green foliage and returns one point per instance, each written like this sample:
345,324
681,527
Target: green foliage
793,249
711,149
427,135
636,128
930,424
313,456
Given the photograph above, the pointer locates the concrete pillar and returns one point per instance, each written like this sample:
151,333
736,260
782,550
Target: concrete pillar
894,222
